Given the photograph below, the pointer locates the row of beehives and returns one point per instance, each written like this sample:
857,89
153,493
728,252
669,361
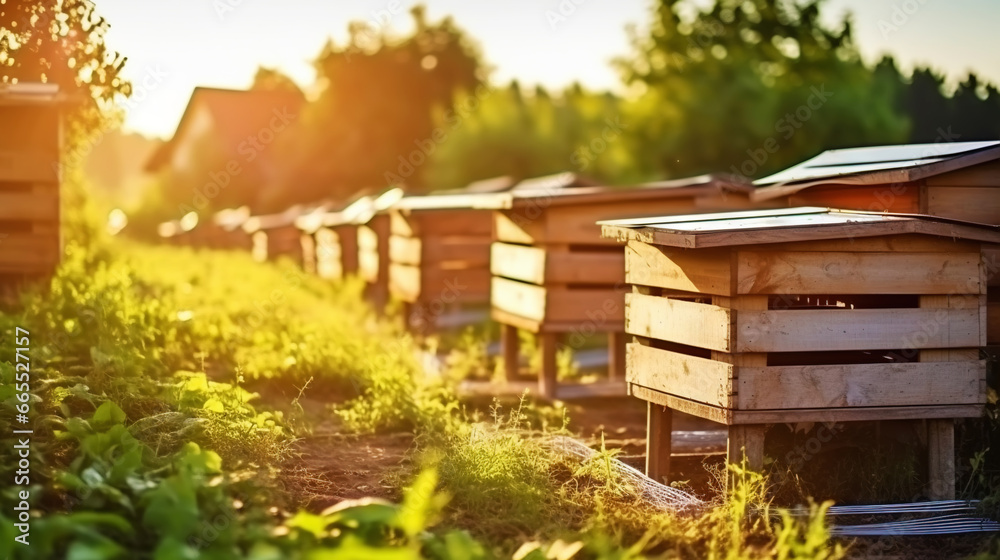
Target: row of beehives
768,313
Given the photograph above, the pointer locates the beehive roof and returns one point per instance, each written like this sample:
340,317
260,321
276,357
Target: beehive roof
877,165
787,225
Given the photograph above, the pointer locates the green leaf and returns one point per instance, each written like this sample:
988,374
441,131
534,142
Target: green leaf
107,415
214,405
94,550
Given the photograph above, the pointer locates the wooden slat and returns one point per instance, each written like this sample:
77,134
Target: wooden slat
518,262
28,252
982,175
423,223
539,266
404,250
601,310
973,204
427,284
783,272
693,324
991,262
578,223
39,204
524,300
906,243
511,227
856,414
857,329
29,166
902,198
706,272
690,377
701,410
993,323
860,385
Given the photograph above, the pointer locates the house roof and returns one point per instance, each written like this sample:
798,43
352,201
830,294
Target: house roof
236,114
786,225
877,165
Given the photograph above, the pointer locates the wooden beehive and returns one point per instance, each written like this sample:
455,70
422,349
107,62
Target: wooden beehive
373,247
439,255
959,180
555,276
273,236
30,241
225,230
330,239
806,315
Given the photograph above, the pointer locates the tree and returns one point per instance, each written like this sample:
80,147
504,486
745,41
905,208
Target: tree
62,42
750,87
372,125
528,135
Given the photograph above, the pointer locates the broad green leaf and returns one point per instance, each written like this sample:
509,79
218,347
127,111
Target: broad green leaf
107,415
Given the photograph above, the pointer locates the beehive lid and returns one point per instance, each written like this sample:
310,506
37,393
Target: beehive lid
787,225
877,165
691,186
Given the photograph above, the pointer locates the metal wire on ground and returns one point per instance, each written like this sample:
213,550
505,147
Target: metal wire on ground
656,494
947,517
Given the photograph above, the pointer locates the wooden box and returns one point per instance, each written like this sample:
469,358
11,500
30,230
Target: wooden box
30,240
805,315
959,180
554,275
439,254
275,235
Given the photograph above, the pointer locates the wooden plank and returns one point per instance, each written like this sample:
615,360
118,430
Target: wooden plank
540,266
518,298
510,350
941,459
518,262
511,227
861,385
404,281
29,252
746,443
600,310
689,377
259,250
982,175
616,355
577,223
902,198
693,324
782,272
680,404
39,204
428,223
458,285
548,377
404,250
906,243
869,414
707,272
972,204
993,322
800,330
659,427
29,166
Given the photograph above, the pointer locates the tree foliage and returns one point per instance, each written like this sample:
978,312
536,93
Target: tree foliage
62,42
379,94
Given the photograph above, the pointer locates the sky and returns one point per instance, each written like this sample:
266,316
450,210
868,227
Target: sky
173,46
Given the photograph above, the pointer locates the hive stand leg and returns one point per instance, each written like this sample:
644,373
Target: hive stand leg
659,425
941,458
547,341
941,433
746,441
616,355
510,349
